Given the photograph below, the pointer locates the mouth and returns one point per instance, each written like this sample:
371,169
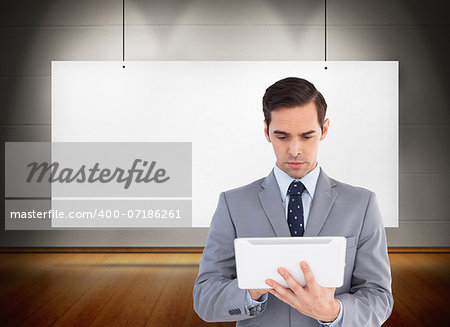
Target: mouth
295,164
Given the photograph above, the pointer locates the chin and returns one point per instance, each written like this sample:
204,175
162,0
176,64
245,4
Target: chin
296,174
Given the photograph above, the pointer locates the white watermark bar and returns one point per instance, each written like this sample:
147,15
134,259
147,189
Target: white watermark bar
95,185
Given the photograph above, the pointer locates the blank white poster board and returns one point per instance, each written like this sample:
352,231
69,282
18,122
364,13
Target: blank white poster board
217,105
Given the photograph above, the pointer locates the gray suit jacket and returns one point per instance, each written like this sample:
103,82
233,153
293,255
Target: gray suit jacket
256,210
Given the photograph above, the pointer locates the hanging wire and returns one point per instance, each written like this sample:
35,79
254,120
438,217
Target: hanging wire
123,31
325,30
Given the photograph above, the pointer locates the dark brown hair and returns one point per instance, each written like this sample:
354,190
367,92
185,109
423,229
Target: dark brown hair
293,92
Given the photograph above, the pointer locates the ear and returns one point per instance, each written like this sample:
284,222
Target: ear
266,132
326,125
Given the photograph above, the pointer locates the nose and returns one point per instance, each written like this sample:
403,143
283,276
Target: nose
294,148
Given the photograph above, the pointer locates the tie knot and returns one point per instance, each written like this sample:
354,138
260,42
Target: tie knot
296,187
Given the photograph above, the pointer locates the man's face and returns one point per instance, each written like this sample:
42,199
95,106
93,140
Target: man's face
295,135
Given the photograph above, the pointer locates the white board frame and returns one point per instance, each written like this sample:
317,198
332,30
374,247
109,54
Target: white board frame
216,105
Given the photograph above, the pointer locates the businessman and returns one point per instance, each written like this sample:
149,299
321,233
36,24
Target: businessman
296,199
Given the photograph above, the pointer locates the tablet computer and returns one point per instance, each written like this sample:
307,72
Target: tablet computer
259,258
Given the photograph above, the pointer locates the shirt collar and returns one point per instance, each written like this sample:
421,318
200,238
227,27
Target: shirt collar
309,180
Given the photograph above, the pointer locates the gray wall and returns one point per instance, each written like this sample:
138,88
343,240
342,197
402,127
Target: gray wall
416,33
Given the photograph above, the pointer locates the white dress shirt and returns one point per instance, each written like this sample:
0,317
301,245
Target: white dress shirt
310,182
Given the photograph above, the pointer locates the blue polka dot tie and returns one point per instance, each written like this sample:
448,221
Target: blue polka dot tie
295,209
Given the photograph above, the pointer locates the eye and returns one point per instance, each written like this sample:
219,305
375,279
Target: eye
307,137
281,137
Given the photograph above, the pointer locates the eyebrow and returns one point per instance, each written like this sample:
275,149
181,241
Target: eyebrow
285,133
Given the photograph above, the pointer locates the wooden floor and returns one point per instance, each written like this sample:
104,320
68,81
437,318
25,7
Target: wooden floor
155,289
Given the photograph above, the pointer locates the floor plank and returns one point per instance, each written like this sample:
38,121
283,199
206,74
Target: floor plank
155,289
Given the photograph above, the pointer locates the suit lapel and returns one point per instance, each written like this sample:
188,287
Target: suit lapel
324,197
273,206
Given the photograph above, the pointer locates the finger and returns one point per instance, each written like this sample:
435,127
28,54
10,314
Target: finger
309,276
284,294
281,297
293,284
